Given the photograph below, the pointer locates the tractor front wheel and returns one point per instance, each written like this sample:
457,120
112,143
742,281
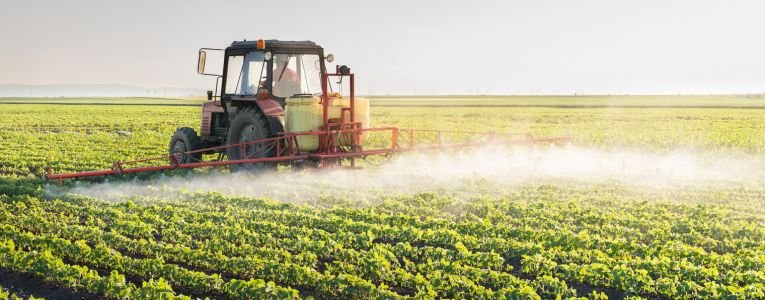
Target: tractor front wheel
184,140
249,125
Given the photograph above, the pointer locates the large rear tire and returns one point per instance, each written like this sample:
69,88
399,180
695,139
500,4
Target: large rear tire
248,125
184,140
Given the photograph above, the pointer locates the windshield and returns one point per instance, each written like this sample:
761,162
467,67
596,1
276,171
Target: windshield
296,74
246,73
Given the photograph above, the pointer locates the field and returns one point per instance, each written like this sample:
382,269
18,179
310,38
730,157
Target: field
474,236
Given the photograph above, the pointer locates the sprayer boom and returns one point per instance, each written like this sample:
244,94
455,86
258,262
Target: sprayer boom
336,149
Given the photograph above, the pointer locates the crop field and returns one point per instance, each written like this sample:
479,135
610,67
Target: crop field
654,198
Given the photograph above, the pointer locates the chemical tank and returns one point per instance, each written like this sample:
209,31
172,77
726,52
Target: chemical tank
361,107
304,114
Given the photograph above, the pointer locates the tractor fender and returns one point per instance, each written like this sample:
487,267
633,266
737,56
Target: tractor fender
268,107
274,112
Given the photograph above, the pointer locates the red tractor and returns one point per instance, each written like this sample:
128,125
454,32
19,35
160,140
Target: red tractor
258,78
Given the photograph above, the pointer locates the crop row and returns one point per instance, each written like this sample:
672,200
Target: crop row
306,278
53,269
393,250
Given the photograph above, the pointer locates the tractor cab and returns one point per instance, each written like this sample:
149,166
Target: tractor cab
272,68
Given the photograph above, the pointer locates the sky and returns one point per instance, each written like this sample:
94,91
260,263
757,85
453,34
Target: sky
403,47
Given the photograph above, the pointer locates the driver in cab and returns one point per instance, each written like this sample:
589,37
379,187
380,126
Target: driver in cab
286,80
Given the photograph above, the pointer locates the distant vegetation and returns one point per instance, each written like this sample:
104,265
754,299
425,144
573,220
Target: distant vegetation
732,101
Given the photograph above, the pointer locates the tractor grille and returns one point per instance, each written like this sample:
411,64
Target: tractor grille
205,122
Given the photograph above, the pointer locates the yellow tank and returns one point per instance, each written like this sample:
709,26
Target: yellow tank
361,106
304,114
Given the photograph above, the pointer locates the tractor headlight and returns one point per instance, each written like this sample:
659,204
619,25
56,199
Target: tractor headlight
267,56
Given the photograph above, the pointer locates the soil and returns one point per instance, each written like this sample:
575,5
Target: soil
24,285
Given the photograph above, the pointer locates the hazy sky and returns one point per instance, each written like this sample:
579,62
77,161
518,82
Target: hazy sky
403,47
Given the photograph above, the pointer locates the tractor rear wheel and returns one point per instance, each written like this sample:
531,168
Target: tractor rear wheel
184,140
248,125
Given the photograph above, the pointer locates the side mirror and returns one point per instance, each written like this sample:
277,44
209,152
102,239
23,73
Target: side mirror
330,58
201,62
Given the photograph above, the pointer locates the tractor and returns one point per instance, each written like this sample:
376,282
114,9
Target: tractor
258,78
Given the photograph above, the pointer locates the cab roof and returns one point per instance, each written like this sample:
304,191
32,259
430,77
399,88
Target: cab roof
276,45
